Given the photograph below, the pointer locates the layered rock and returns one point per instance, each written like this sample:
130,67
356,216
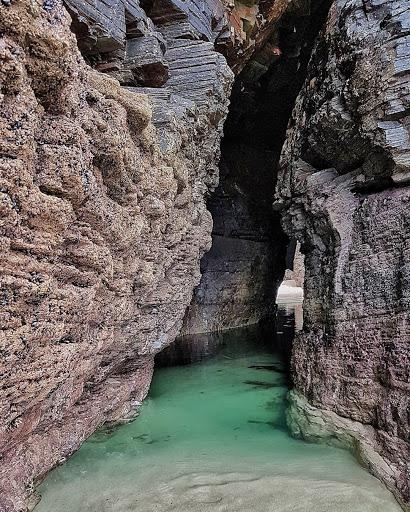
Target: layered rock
242,271
104,219
127,39
103,226
344,190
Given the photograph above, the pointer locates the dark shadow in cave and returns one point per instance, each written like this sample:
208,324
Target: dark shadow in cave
246,264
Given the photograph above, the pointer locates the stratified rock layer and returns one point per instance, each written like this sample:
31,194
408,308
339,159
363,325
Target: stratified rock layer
344,190
242,271
103,224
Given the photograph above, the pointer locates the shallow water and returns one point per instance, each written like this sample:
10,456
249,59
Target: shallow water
212,437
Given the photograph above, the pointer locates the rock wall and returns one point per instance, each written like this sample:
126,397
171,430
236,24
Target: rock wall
344,191
104,217
103,224
242,271
295,272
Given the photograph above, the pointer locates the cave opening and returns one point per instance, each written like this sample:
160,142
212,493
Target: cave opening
251,254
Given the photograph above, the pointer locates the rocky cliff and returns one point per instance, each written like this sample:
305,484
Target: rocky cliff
111,121
344,190
103,224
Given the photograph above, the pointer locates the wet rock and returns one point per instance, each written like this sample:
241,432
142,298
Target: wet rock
345,197
320,425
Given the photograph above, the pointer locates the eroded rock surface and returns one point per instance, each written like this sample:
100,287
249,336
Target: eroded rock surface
242,271
344,190
103,224
103,206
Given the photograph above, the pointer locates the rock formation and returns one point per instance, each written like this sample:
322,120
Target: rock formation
103,225
110,142
242,271
344,190
295,272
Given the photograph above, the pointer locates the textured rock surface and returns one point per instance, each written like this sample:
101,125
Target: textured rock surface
321,425
241,272
103,224
113,35
243,269
345,189
295,273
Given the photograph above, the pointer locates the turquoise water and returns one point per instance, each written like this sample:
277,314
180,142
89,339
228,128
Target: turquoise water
212,437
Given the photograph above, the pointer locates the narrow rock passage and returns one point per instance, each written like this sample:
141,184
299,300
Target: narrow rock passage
212,437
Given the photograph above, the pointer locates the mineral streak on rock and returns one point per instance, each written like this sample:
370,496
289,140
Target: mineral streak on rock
103,224
344,190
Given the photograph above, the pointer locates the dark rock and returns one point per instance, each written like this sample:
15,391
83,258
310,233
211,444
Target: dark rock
145,59
348,143
48,5
242,271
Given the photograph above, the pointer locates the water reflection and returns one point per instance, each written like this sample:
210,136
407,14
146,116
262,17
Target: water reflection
290,303
273,336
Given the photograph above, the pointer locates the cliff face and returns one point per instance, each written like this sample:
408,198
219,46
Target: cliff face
242,271
103,224
104,217
344,191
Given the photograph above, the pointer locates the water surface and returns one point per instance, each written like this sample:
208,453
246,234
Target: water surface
212,437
